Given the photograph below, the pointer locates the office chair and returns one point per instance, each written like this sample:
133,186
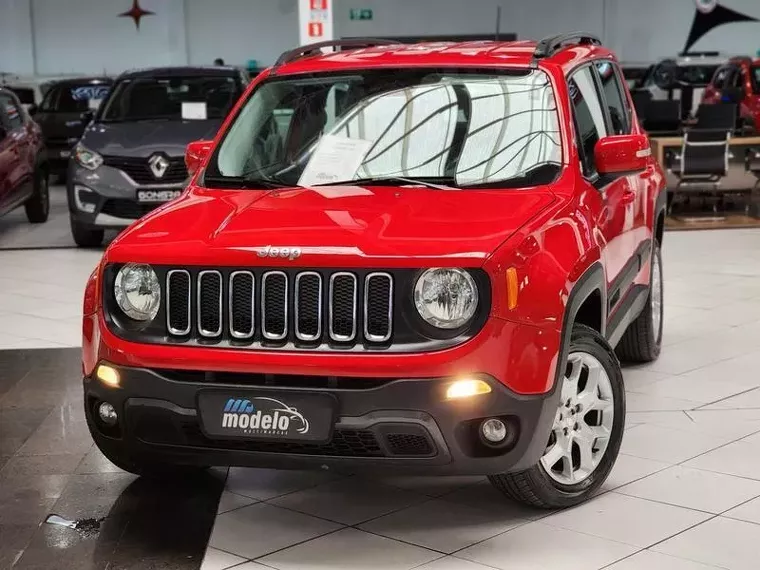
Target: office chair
662,117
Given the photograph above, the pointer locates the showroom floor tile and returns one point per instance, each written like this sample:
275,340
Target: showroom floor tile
684,494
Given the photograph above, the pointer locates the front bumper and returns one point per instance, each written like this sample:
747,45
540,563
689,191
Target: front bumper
401,424
112,195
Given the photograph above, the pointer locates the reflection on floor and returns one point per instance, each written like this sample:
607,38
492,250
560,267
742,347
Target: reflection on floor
48,464
685,493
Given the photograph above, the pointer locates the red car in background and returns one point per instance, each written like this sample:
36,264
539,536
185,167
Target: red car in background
23,167
415,258
738,81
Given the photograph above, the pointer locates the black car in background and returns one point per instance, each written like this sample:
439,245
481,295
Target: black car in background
131,157
63,114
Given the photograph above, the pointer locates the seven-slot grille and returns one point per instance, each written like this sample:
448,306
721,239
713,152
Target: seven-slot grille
306,307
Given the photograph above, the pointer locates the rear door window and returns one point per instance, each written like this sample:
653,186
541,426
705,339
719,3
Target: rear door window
614,95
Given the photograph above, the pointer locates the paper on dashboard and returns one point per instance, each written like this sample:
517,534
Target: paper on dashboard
194,111
334,160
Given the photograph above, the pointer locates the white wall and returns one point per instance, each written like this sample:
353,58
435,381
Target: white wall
642,30
86,36
16,49
526,18
239,30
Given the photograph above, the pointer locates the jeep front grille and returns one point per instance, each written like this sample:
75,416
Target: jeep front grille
307,308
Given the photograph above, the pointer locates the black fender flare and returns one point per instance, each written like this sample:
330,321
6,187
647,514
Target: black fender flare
592,281
660,205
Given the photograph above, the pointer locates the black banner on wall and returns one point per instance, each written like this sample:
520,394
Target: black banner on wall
710,15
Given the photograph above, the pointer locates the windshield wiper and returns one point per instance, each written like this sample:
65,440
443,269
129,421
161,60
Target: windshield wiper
242,183
436,183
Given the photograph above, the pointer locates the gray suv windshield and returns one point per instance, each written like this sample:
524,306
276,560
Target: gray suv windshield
171,98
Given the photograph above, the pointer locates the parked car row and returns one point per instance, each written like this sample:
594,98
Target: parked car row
118,143
695,79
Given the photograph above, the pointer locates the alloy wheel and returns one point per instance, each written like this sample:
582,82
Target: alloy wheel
583,423
655,296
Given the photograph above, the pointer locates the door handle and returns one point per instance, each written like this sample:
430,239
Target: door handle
629,196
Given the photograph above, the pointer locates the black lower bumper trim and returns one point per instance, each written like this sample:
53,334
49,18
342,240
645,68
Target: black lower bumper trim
400,425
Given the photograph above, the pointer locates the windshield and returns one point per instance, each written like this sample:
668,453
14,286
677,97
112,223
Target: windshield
463,127
74,98
171,98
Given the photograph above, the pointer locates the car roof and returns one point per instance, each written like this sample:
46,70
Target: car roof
449,54
183,71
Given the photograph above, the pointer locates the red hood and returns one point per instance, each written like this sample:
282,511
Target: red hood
332,226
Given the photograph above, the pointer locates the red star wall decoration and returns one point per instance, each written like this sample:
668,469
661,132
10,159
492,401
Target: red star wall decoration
136,13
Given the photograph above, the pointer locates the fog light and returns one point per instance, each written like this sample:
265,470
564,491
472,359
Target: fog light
493,430
85,199
109,376
466,388
107,414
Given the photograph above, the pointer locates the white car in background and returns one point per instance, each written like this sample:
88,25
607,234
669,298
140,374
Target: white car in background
29,89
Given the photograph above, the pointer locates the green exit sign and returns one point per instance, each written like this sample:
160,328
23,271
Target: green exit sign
361,14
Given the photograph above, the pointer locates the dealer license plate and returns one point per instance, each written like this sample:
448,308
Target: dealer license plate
264,415
157,195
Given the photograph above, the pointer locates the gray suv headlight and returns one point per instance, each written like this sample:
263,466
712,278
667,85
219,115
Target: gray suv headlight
138,292
87,158
446,298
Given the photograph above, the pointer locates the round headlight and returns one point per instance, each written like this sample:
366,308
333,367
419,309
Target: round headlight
446,298
137,291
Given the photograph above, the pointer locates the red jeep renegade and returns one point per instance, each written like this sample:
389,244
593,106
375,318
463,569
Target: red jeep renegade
393,258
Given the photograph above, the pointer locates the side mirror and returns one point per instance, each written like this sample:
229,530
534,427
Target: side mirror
195,154
87,116
621,154
32,110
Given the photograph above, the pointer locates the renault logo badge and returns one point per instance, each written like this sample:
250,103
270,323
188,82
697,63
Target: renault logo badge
159,164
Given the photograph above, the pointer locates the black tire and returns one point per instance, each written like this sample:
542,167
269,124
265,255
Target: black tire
642,341
38,205
85,236
534,486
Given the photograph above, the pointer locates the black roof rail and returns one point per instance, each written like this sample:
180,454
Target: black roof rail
313,49
552,44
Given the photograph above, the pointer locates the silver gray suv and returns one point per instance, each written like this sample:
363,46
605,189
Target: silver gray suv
130,159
